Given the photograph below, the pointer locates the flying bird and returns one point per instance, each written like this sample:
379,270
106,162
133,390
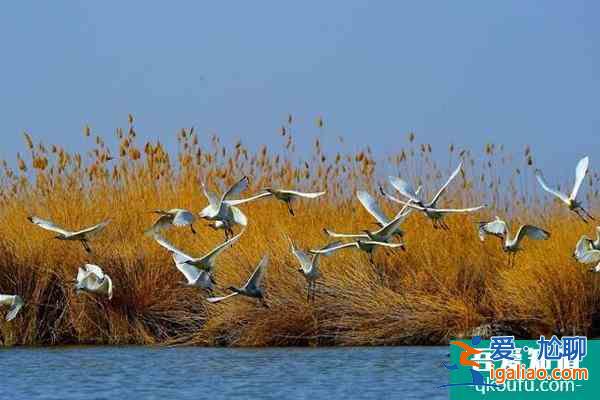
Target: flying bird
83,235
284,195
14,301
175,217
92,279
368,246
309,267
198,272
383,234
430,208
371,205
511,246
588,251
571,200
252,288
221,212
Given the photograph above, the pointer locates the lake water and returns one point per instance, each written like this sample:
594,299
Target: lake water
135,373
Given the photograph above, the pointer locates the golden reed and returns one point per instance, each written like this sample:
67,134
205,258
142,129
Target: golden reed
447,284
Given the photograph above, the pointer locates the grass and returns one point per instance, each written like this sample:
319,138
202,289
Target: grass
447,284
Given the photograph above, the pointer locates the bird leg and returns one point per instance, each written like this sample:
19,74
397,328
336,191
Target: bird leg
290,209
86,246
590,216
192,228
576,211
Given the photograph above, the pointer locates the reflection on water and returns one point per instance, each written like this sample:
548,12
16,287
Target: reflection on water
194,373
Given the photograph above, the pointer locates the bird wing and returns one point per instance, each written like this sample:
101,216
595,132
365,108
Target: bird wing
218,299
333,248
92,230
209,259
303,258
544,185
585,252
235,189
190,272
81,274
580,171
456,210
183,218
14,309
370,204
384,244
94,269
213,199
49,225
532,232
445,186
345,235
164,221
257,276
497,227
404,188
392,227
248,199
170,247
306,195
239,217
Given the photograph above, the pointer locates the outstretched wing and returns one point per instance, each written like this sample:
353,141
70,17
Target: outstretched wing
257,276
497,227
190,272
331,249
181,256
306,195
445,186
392,227
183,218
239,217
218,299
383,244
248,199
235,189
404,188
370,204
91,231
540,178
209,259
345,235
303,258
580,171
213,199
48,225
533,232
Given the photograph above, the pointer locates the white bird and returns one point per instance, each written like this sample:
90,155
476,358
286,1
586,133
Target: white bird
284,195
383,234
309,267
92,279
221,211
586,252
430,209
499,228
367,246
198,272
14,301
252,288
175,217
83,235
570,200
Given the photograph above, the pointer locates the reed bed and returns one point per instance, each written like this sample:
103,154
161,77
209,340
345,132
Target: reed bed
447,284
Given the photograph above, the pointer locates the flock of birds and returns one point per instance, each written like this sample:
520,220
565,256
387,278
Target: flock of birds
224,213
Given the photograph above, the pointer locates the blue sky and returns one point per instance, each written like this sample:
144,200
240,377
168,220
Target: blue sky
516,72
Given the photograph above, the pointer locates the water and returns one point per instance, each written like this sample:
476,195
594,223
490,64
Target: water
135,373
